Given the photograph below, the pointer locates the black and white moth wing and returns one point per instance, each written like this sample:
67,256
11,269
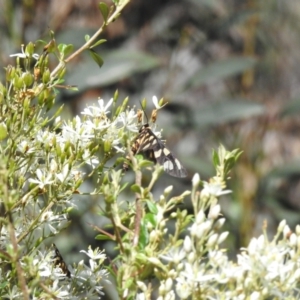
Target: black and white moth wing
150,142
155,150
171,164
147,140
59,262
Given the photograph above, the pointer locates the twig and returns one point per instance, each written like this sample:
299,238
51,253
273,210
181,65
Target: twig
48,291
92,39
138,204
138,209
20,274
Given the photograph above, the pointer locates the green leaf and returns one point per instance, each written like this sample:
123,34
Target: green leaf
4,283
152,207
221,69
87,37
41,41
151,218
98,43
65,49
228,164
123,186
104,10
145,163
136,188
144,235
102,237
215,158
96,57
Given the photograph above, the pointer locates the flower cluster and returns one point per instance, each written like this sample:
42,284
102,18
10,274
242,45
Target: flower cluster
199,268
188,262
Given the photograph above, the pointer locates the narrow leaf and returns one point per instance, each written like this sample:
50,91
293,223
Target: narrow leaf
102,237
151,206
104,10
98,43
215,158
144,235
96,57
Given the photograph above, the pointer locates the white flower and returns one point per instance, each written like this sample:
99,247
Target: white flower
184,287
199,230
92,161
156,104
175,255
24,55
25,147
127,120
140,296
100,111
76,132
255,296
214,189
64,174
94,255
42,179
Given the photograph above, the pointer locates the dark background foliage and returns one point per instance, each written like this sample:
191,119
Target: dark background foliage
230,72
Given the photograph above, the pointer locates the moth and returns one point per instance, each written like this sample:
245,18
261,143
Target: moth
59,262
155,150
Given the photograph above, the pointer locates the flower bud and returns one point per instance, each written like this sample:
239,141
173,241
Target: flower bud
28,79
281,225
214,212
107,146
18,82
168,190
10,73
200,217
196,180
293,239
169,284
219,223
212,240
286,231
46,76
29,49
187,244
223,237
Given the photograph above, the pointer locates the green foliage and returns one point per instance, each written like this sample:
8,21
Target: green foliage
96,57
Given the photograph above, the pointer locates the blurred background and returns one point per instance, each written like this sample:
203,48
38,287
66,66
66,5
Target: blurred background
230,72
